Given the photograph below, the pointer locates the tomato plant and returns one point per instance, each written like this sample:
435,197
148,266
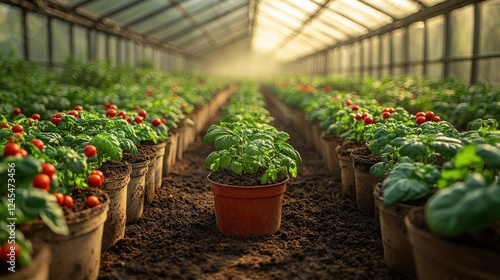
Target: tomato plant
90,151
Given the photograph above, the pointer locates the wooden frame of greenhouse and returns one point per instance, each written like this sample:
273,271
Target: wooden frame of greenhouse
249,139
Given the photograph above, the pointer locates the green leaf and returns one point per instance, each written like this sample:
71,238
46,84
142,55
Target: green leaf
490,154
463,207
403,189
224,161
212,157
467,157
213,133
224,142
236,167
128,145
109,145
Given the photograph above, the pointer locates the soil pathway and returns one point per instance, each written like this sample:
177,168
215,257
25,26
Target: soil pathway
322,235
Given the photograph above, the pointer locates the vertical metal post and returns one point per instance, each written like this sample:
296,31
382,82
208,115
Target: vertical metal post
90,51
447,45
26,49
391,53
106,46
50,39
476,41
425,50
361,56
380,57
406,49
72,39
326,63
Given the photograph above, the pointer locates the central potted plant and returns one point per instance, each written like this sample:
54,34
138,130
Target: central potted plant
250,168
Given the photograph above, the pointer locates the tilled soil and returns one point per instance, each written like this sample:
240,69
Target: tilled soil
322,235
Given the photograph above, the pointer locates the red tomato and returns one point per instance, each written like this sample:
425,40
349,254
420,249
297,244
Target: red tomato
420,120
138,120
107,104
24,153
113,106
94,180
7,249
60,198
368,120
74,113
36,117
129,119
68,201
90,151
358,117
348,102
156,122
164,120
355,107
41,181
392,110
55,120
136,107
364,115
429,115
122,114
78,107
4,125
16,111
11,149
98,172
143,113
111,113
48,169
386,115
420,114
58,115
436,119
17,128
38,143
92,201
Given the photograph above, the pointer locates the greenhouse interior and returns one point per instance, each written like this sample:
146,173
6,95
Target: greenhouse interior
249,139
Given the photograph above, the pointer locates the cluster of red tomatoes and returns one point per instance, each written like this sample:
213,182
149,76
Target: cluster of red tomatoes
112,112
422,117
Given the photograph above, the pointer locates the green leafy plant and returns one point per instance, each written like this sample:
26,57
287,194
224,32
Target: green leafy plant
246,150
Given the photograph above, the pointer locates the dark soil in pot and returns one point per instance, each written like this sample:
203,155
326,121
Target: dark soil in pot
228,177
322,234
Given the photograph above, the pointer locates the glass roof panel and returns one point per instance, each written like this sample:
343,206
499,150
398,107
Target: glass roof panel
103,7
229,26
265,22
321,34
278,15
70,3
138,11
188,37
160,19
306,6
288,9
397,8
192,6
239,15
350,28
220,10
360,13
327,29
172,29
430,3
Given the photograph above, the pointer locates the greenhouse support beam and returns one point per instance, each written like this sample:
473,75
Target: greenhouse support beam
252,13
42,7
475,42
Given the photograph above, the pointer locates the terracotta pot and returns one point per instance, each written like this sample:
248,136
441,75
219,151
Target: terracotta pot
248,210
39,267
397,249
332,159
440,258
116,188
78,254
135,189
365,182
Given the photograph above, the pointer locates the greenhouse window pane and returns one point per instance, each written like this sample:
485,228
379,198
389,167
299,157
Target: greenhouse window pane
101,43
346,58
288,9
60,40
327,29
398,46
10,30
320,35
80,41
236,17
356,51
138,11
415,70
386,49
173,29
193,6
434,70
435,38
375,46
461,29
460,70
367,54
360,12
264,23
396,8
416,41
187,37
490,27
112,47
488,70
38,37
103,7
278,15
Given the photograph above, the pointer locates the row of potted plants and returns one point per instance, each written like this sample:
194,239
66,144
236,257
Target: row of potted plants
66,167
416,155
250,166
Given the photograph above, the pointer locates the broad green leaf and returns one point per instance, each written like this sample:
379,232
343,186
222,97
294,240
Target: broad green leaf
490,154
128,145
223,142
236,167
224,161
109,145
404,189
212,157
463,207
467,157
